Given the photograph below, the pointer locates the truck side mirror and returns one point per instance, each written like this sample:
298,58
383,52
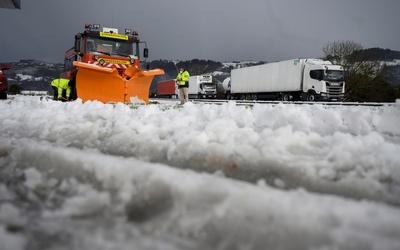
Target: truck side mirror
145,52
77,46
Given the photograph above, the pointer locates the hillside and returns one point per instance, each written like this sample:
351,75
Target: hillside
33,75
378,54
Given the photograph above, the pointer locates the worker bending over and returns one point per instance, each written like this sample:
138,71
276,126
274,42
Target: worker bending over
64,89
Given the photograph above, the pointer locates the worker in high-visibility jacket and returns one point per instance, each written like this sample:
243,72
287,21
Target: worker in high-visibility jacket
54,85
64,90
182,79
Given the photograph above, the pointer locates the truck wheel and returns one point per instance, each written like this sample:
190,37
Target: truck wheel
285,97
311,97
3,95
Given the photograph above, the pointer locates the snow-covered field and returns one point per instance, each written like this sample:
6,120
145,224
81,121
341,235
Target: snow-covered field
200,176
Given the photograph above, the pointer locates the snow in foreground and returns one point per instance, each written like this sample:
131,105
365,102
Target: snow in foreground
101,176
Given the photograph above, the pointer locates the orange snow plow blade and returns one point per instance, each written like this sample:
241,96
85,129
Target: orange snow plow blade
103,84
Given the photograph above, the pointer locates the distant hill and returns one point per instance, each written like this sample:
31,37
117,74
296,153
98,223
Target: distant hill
33,75
378,54
391,60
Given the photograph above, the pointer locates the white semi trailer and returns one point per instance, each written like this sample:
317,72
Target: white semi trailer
202,86
297,79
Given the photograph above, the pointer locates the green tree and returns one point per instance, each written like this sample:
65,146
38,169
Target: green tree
14,89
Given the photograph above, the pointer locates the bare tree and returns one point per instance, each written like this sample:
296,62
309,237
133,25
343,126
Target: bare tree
361,72
339,52
352,57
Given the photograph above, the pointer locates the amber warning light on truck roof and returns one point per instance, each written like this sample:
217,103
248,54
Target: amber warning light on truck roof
129,31
92,26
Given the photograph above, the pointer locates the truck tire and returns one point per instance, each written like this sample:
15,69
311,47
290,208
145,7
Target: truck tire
311,97
285,97
3,95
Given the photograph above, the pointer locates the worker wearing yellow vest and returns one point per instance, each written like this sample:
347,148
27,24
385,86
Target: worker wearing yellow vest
182,79
64,90
55,84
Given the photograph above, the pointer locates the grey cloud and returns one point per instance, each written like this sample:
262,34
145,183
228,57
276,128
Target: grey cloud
223,30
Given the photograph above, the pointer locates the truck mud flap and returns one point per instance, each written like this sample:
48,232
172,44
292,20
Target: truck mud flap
104,84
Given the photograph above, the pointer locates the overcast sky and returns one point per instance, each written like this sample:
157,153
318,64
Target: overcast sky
222,30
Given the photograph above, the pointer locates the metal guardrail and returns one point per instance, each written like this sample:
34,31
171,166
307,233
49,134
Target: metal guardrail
245,102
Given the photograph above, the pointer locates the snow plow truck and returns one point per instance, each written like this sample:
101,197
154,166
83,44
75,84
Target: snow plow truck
107,65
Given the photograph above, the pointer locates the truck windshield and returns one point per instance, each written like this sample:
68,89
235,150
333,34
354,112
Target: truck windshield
209,86
334,75
111,47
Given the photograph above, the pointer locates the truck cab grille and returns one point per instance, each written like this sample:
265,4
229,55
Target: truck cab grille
334,90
